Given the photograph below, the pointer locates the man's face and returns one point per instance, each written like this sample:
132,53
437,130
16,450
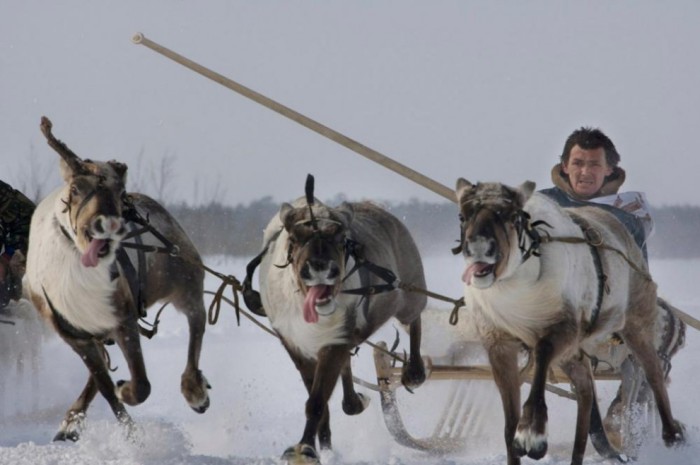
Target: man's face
587,170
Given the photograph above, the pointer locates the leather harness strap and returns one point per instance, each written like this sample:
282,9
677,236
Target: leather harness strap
594,241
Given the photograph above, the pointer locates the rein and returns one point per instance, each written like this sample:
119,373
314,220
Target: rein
132,215
594,239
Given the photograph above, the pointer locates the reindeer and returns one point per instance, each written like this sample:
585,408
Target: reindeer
81,280
561,282
317,263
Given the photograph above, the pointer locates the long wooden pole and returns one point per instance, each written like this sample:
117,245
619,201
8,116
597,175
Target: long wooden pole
325,131
315,126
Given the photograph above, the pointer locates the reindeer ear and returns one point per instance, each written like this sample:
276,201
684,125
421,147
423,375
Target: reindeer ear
462,185
345,213
286,216
67,172
526,189
119,168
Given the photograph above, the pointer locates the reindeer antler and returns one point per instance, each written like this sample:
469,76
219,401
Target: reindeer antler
309,191
67,154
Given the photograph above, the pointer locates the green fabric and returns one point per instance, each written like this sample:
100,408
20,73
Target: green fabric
15,216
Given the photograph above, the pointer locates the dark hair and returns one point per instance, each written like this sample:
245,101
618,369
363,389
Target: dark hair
589,139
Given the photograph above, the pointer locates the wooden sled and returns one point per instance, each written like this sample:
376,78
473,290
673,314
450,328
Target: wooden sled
450,432
454,410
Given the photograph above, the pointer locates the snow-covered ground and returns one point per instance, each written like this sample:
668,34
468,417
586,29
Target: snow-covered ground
258,398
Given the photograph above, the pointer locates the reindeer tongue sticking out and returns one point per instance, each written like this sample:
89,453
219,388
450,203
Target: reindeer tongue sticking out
477,268
315,294
91,256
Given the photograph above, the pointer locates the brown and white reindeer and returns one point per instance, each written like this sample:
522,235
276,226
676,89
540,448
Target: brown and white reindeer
531,279
310,254
76,281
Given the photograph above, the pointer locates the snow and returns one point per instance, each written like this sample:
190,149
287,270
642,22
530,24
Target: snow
258,397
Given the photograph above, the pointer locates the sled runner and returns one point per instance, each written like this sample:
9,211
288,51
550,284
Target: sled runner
457,408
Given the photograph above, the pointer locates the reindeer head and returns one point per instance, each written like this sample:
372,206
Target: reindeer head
93,200
316,252
491,217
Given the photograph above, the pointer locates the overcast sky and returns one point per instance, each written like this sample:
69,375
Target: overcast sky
484,90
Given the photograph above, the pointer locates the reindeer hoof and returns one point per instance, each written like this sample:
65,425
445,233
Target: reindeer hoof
301,454
355,404
71,427
132,393
67,436
201,408
413,373
194,389
527,442
676,437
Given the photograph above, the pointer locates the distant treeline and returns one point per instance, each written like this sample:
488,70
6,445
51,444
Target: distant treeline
224,230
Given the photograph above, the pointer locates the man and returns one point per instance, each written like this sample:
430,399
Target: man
15,215
588,173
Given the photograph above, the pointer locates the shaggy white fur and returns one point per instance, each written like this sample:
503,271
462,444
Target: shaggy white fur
82,295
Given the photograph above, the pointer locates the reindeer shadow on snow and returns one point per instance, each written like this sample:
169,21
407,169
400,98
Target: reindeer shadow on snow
82,280
322,275
561,282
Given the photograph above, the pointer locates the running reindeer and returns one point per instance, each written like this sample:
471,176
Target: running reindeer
319,267
81,279
536,282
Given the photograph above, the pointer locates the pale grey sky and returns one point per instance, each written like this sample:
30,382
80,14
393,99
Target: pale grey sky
484,90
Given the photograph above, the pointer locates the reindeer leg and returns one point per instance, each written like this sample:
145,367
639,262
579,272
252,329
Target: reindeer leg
303,453
136,390
72,424
193,384
92,354
353,401
413,373
643,350
531,434
331,360
503,358
579,372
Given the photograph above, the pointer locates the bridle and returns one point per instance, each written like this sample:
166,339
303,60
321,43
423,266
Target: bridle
99,186
530,238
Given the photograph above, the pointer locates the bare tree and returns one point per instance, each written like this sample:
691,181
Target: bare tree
162,175
136,174
211,193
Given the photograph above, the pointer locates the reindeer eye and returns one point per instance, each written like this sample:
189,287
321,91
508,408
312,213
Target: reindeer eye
74,190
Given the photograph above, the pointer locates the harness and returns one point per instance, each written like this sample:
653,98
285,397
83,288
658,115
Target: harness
134,275
352,249
530,232
594,241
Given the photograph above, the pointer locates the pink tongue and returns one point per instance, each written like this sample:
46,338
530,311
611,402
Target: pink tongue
473,268
312,295
90,258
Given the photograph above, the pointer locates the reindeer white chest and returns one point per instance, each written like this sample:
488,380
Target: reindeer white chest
83,296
